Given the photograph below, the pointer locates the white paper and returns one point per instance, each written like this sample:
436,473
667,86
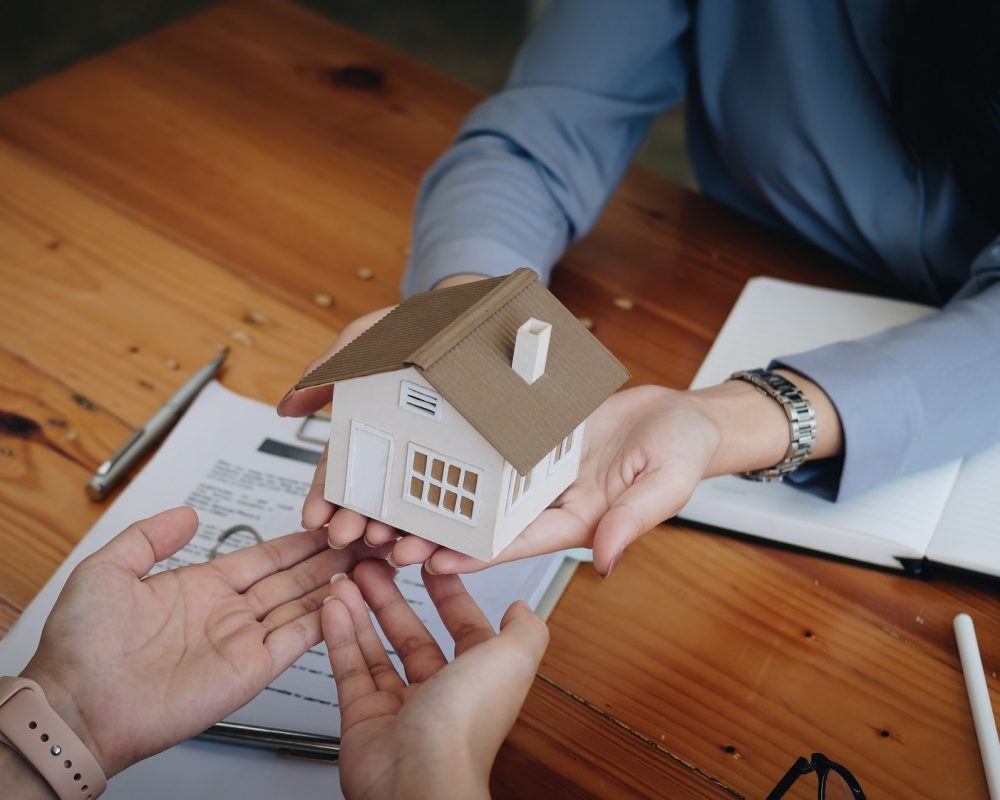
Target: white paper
897,518
968,534
217,460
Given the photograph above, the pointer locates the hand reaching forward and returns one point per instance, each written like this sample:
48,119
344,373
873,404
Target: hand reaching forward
137,665
316,509
437,733
645,449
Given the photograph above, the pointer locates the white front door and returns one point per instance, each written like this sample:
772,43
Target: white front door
369,459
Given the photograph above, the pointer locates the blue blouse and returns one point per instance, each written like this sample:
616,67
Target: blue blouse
788,122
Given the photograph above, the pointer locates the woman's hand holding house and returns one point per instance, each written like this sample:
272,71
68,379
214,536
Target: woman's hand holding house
644,451
402,447
316,510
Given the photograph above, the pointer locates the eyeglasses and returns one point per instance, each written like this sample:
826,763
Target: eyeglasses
835,781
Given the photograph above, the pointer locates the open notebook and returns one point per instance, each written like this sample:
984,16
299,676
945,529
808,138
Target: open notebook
949,515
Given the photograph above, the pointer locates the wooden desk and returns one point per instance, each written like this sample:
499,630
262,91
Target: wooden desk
205,183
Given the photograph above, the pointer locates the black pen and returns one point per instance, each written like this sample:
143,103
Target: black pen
112,471
292,744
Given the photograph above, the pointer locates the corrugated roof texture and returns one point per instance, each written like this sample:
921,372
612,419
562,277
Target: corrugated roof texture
391,342
462,340
525,421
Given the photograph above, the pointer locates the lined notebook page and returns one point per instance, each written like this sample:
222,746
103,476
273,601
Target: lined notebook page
968,534
774,318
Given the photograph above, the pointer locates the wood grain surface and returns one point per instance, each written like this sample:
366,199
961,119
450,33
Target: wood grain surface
223,180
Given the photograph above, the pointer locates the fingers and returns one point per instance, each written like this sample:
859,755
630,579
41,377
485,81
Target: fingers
346,526
316,509
412,550
243,568
302,402
143,543
464,620
378,533
293,609
298,580
554,529
531,634
492,680
289,641
650,500
350,670
379,666
415,647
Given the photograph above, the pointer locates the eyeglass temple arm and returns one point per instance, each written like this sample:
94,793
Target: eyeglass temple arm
801,767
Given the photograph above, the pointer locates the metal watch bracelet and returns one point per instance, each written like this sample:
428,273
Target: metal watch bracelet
801,421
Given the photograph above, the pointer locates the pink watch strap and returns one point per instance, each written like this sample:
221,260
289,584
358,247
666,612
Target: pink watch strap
47,742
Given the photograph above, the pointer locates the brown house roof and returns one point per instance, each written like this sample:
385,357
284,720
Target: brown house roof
462,341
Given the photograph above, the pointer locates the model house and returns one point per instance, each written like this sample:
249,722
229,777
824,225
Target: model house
459,416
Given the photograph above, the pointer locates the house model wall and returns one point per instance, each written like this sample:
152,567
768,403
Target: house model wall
460,415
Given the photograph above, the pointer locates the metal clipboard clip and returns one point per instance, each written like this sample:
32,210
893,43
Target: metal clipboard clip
320,419
224,536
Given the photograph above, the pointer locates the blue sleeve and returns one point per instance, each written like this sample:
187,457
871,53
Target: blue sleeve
913,396
533,166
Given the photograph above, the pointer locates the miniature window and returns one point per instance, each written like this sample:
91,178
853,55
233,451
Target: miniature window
520,487
419,400
562,450
442,484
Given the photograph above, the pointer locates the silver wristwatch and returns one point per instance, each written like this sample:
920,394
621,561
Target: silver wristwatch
801,421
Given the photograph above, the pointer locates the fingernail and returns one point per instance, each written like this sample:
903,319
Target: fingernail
338,576
328,598
288,394
307,528
365,537
613,564
427,568
391,562
333,546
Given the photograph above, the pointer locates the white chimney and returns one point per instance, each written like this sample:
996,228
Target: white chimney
531,349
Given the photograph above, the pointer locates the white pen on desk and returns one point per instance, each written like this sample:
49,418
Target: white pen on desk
979,699
112,471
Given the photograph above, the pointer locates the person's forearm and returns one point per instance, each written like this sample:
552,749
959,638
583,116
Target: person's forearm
440,777
754,429
19,779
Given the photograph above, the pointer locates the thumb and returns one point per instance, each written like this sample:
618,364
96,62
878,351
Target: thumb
147,541
491,680
655,496
529,633
302,402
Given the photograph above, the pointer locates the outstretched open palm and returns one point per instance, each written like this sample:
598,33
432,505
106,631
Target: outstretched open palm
138,664
644,451
436,733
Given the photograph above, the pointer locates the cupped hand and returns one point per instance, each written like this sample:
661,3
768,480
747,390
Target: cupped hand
436,733
137,664
317,511
644,451
346,526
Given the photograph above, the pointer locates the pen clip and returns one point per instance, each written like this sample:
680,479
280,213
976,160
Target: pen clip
105,468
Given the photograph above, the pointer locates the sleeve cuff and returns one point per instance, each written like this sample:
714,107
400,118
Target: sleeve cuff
879,411
477,256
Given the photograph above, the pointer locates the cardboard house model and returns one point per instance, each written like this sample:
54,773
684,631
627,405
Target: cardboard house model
459,416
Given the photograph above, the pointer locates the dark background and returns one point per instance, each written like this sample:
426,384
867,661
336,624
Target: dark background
474,42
